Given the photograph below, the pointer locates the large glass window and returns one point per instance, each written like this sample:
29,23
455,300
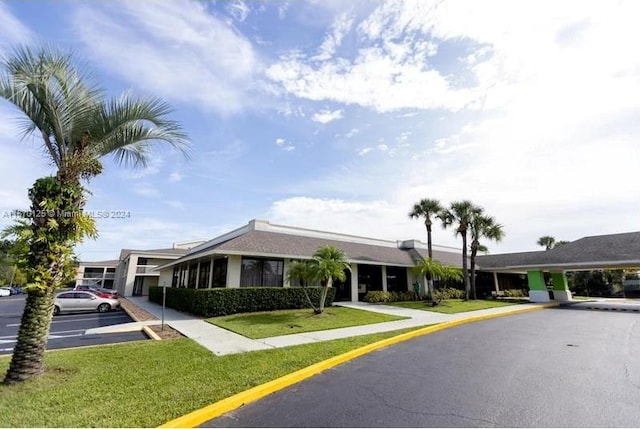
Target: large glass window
203,279
261,272
176,277
220,272
193,274
397,279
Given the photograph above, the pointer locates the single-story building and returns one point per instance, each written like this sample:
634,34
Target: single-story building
260,253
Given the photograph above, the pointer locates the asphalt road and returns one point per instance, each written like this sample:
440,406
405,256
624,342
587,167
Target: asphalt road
556,367
67,330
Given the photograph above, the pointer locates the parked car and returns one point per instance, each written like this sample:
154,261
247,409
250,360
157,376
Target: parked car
5,291
102,292
83,301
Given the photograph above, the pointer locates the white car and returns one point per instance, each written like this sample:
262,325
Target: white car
5,291
75,300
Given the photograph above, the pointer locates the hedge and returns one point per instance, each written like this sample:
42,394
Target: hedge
381,296
225,301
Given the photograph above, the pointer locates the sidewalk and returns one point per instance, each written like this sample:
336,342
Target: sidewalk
222,342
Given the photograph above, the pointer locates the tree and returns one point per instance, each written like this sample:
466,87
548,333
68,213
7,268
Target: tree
328,263
459,215
303,272
482,226
546,241
78,126
429,267
426,209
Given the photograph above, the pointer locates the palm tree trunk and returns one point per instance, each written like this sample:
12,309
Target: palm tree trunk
465,273
316,310
474,251
429,276
48,250
323,294
28,354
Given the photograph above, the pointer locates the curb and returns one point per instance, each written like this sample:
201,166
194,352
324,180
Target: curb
149,332
135,319
226,405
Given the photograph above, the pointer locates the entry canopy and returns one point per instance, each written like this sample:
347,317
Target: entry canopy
588,253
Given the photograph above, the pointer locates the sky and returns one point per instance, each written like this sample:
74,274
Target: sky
340,115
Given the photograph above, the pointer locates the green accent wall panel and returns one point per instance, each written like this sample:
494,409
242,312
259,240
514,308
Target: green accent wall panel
559,281
536,280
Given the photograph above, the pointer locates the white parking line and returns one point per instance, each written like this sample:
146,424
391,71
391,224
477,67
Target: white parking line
50,333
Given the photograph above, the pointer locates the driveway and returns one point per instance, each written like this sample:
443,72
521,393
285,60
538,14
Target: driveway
67,330
550,368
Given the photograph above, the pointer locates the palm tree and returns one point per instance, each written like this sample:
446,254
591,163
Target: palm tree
303,272
482,226
429,267
459,215
546,241
78,126
328,263
426,208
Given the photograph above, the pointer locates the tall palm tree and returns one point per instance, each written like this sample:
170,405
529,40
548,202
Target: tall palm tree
60,104
427,208
459,215
328,263
546,241
482,226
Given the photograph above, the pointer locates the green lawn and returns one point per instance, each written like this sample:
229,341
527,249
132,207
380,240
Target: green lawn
284,322
146,383
451,306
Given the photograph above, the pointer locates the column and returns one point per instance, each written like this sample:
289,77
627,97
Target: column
211,273
197,285
561,290
496,284
384,278
537,288
354,282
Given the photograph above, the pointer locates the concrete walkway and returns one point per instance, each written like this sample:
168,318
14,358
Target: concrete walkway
223,342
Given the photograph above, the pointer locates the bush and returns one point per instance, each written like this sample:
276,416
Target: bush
449,293
380,296
516,293
225,301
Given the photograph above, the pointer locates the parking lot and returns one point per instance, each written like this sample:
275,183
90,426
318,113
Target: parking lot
67,330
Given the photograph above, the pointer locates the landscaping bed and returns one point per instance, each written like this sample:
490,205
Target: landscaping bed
452,306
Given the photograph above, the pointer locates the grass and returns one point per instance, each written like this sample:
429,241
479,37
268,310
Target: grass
284,322
452,306
146,383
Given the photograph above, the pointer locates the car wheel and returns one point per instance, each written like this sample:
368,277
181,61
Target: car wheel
56,310
103,308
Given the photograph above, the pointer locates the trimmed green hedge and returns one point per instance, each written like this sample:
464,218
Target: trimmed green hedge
225,301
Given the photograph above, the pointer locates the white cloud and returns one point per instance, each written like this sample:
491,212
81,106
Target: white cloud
280,142
288,148
145,189
12,30
175,177
352,132
201,59
175,204
333,39
383,147
238,9
365,151
326,116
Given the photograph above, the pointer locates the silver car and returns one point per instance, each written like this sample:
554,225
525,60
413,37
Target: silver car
83,301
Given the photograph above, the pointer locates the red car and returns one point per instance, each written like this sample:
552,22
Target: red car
101,292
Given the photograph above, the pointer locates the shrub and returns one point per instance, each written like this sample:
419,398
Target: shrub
380,296
516,293
449,293
225,301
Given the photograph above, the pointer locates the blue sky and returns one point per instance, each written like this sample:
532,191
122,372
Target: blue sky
339,115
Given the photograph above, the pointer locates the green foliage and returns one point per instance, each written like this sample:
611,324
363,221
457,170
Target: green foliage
381,296
436,269
450,293
225,301
516,293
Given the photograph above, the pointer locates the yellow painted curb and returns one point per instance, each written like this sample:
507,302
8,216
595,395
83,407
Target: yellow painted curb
147,330
223,406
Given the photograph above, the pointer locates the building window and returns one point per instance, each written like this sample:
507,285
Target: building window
220,272
176,277
261,272
193,273
397,279
143,261
111,270
205,270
